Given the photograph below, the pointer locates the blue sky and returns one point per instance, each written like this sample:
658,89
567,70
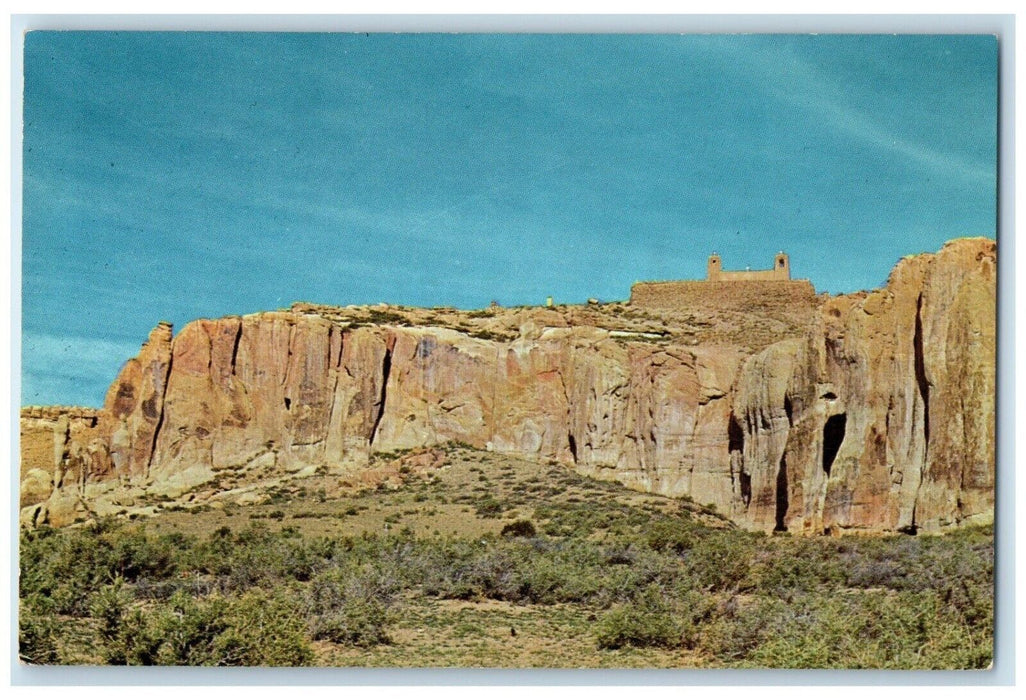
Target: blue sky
184,175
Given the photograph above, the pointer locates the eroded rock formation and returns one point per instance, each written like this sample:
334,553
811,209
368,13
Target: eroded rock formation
870,411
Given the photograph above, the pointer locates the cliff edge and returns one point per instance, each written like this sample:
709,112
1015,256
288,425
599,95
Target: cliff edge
869,411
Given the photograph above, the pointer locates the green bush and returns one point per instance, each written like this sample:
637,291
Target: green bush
795,564
67,566
669,535
859,629
650,621
518,528
109,606
256,629
489,507
37,637
734,630
720,560
351,607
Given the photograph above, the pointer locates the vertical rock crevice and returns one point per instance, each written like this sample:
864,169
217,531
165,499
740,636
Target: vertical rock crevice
160,415
920,372
746,488
782,496
287,374
923,389
736,451
235,347
386,370
911,529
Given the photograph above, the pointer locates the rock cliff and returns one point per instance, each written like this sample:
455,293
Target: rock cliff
871,411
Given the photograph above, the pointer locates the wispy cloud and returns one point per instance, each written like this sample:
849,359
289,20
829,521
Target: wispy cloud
70,369
790,79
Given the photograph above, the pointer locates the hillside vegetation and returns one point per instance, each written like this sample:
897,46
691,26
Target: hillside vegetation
490,561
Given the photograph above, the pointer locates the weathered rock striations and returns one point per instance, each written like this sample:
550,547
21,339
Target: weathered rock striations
134,406
52,438
872,411
885,419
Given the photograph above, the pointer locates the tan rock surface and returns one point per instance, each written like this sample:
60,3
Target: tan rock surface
133,409
869,411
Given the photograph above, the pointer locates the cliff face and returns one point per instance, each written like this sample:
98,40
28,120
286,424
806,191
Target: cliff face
884,419
872,411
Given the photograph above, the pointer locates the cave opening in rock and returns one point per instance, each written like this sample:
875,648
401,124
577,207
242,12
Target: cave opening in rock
788,409
288,404
746,488
782,499
833,436
735,436
573,446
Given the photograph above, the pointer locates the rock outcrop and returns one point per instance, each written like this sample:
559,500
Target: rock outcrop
872,411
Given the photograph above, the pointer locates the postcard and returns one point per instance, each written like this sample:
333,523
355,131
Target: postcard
416,350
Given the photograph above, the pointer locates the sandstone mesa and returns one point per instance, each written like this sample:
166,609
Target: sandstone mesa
787,410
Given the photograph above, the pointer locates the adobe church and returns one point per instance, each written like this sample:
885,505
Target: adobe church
721,289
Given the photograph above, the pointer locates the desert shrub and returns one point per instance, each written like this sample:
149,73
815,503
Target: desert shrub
585,519
547,579
571,520
67,566
262,630
351,607
665,534
134,554
720,560
489,507
37,636
256,629
254,557
874,573
108,606
118,594
518,528
736,629
463,570
384,316
622,583
542,571
485,574
621,554
882,562
650,621
125,636
861,629
794,564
